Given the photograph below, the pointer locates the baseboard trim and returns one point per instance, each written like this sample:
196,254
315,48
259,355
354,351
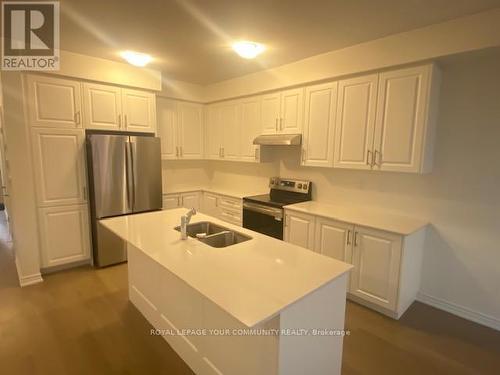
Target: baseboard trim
461,311
27,280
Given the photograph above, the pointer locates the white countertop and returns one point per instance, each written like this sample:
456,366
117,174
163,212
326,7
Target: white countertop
366,216
253,280
235,193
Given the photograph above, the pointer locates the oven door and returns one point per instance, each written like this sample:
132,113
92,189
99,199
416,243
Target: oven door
263,219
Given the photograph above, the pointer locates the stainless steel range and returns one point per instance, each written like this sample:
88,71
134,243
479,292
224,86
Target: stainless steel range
264,213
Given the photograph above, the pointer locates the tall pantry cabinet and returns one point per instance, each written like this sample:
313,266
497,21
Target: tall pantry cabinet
57,139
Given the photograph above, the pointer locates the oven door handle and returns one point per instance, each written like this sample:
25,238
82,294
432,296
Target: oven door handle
276,212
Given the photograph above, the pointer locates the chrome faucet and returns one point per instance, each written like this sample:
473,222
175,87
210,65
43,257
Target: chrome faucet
185,219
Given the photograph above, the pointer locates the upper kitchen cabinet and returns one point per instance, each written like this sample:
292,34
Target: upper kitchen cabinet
386,121
190,130
167,128
230,123
355,122
53,102
180,127
108,107
251,120
283,112
214,132
405,122
139,110
319,125
58,157
102,106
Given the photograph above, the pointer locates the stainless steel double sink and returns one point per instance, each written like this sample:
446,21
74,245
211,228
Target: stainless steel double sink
214,235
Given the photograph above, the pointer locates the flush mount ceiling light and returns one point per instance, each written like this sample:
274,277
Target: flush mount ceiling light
136,58
248,50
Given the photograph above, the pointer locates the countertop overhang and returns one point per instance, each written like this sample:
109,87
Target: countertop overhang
252,281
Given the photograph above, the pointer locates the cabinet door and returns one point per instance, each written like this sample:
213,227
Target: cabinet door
139,109
171,201
210,204
319,125
270,112
250,112
376,258
64,234
355,123
299,229
167,128
401,119
190,127
58,158
214,132
54,102
230,124
102,107
334,239
191,200
292,111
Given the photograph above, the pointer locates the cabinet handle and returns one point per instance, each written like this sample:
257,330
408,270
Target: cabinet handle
369,160
355,238
256,154
125,120
222,151
348,236
276,124
281,123
181,152
77,117
119,121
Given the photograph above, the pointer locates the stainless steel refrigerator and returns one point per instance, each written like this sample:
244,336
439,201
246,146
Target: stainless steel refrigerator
124,174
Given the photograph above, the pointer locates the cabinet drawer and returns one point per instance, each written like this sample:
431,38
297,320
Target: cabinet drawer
230,216
230,203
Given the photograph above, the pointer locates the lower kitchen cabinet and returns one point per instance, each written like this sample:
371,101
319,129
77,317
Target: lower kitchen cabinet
64,235
187,200
387,266
376,257
223,207
299,229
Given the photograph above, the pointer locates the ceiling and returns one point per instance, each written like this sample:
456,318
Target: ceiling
190,39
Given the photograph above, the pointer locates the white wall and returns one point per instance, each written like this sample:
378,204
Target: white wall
178,175
461,197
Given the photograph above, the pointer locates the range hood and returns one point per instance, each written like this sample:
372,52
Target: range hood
278,140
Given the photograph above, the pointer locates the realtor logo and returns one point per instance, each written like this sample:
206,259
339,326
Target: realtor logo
30,35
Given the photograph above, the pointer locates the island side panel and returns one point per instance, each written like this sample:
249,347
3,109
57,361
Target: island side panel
314,354
170,304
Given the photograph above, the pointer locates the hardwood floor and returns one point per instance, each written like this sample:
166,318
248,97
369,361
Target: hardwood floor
80,322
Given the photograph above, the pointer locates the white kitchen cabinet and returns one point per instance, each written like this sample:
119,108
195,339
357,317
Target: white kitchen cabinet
53,102
58,158
376,258
102,107
404,127
170,201
167,128
319,125
355,122
270,112
292,111
210,204
190,200
64,235
334,239
230,123
139,110
250,128
283,112
299,229
214,132
190,130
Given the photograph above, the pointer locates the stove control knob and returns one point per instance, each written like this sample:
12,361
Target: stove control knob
305,186
300,186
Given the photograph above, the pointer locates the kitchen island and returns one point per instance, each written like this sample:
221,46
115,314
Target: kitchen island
261,306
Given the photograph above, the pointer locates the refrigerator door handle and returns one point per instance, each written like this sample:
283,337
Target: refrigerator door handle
130,174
